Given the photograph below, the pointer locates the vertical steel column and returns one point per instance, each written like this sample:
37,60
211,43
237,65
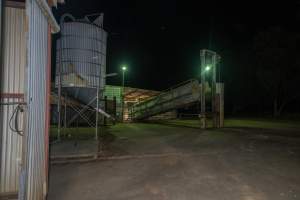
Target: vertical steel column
221,105
97,88
101,77
115,107
59,80
97,107
123,89
213,90
105,109
59,102
203,89
48,97
65,113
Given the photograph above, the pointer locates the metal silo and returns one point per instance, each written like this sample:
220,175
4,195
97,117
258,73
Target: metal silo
81,57
81,62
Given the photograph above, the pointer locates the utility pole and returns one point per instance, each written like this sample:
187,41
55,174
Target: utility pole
124,68
203,89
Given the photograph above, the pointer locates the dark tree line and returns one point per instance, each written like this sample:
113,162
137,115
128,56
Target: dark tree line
277,65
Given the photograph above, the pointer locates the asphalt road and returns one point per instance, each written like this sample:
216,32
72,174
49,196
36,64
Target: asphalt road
170,163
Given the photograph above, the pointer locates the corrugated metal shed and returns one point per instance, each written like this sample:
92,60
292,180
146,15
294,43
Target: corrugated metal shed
35,166
12,90
131,95
24,159
137,94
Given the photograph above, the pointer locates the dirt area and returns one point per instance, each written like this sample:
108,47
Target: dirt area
171,162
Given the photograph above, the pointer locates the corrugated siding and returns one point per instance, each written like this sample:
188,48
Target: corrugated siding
82,55
35,173
12,84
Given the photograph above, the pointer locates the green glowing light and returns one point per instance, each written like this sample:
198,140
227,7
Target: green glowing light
124,68
207,68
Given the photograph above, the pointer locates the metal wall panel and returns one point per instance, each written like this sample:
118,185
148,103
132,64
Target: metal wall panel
12,89
35,157
112,91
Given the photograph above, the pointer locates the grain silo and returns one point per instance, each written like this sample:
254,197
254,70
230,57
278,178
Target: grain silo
81,57
81,61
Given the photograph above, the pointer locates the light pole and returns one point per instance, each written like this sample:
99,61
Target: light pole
124,68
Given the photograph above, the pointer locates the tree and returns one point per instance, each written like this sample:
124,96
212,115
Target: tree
277,66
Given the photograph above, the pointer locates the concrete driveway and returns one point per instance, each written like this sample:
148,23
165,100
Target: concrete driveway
170,163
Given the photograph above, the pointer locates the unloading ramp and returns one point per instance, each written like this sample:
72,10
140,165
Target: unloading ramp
178,96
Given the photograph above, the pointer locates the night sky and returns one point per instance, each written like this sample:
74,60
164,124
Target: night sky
159,41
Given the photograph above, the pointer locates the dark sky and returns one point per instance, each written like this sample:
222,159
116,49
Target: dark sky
160,40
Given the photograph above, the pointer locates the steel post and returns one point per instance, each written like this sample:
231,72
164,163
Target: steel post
65,113
213,91
203,90
123,89
105,109
97,116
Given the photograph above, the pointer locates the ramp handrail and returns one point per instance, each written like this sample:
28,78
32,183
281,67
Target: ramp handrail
165,91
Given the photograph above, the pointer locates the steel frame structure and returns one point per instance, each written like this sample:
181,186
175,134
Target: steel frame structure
209,62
